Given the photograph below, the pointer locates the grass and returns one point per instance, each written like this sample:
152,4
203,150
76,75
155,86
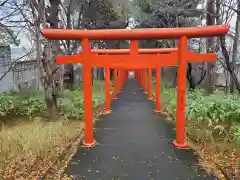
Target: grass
39,137
34,139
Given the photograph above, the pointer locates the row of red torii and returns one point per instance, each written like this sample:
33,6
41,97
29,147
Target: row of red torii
137,60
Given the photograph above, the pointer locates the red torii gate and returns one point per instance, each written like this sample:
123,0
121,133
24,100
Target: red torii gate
141,77
136,60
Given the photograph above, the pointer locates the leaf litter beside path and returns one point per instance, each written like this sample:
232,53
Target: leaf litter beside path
35,159
27,148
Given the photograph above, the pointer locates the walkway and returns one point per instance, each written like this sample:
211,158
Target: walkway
135,144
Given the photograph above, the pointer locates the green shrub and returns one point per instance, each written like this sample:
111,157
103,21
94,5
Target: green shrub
30,106
214,108
71,108
14,104
7,103
71,103
169,99
32,103
221,113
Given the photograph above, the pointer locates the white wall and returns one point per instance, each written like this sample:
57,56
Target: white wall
7,83
5,63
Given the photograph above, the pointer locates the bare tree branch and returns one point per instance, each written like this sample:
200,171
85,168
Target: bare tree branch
4,2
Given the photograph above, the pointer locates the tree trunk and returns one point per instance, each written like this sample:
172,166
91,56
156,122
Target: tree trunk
49,67
70,70
210,45
92,76
55,50
38,41
235,49
48,80
191,78
175,44
100,73
228,65
226,74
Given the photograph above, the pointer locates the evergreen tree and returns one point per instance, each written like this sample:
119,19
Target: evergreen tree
167,13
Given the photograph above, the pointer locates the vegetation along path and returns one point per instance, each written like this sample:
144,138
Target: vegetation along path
134,144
